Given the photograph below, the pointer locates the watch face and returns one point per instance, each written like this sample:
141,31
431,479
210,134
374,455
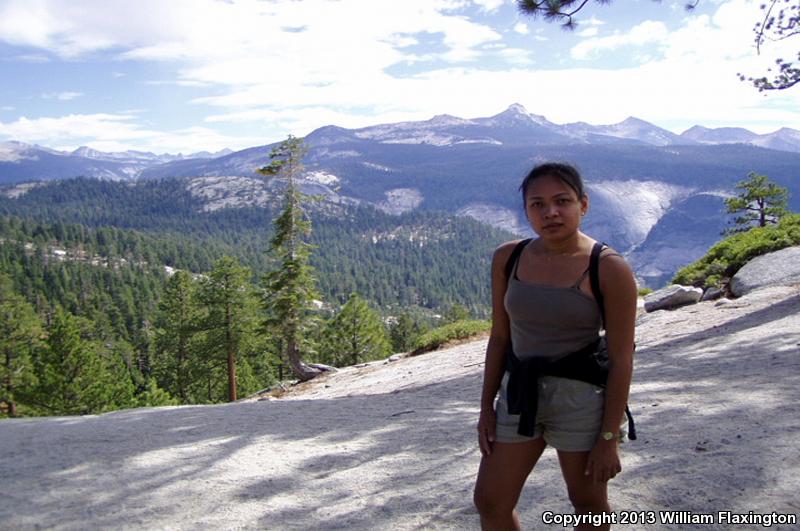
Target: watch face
607,435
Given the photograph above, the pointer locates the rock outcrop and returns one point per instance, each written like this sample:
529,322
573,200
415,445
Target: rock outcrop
672,297
712,294
715,395
779,268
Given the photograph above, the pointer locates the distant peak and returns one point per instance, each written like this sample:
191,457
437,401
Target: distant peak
446,119
517,108
330,128
327,129
84,151
15,143
630,120
696,129
517,113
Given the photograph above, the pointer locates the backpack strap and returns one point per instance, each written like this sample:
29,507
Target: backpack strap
512,260
594,280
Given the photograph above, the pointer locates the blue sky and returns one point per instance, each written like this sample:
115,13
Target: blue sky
191,75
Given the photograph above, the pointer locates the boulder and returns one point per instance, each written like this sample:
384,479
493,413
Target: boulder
672,297
712,294
779,268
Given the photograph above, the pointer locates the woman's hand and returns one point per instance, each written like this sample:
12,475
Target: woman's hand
603,462
486,427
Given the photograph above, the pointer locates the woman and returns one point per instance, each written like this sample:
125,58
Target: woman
545,309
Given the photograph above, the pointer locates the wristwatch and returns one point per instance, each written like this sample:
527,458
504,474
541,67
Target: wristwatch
608,435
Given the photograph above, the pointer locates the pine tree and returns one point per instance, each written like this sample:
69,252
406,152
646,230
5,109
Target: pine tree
75,376
355,334
153,395
20,331
403,332
290,291
760,201
227,296
456,312
177,326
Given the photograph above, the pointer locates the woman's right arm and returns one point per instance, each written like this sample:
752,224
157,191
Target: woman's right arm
496,349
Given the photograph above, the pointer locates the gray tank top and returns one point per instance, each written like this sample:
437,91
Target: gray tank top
549,321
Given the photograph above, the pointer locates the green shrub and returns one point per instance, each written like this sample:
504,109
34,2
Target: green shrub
457,330
726,257
645,291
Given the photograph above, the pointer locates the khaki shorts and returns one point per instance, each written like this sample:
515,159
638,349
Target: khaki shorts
569,414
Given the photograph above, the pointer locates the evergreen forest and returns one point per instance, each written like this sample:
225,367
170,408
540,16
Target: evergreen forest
117,295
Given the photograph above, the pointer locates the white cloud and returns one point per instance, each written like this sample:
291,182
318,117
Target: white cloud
62,96
26,23
185,140
657,92
6,108
32,58
648,32
178,82
52,129
588,32
346,47
208,31
302,120
116,132
66,28
489,5
335,71
401,41
521,28
517,55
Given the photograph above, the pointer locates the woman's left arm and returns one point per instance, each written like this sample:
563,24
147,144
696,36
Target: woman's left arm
619,293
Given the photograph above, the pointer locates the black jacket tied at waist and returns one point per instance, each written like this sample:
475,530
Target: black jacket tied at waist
522,391
586,364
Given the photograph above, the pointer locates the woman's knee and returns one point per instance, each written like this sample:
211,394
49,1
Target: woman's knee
489,503
591,499
502,475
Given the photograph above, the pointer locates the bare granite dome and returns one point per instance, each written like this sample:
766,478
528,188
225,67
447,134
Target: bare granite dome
392,444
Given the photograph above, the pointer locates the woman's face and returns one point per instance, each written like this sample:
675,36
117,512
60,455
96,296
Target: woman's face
553,208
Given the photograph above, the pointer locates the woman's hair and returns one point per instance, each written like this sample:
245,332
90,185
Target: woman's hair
565,172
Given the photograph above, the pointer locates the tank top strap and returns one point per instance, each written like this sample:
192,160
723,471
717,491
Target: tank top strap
577,284
516,262
514,269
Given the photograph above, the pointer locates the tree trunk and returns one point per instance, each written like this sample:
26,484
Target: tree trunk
300,369
231,359
180,369
12,405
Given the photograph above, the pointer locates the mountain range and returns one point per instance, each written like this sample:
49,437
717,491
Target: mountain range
512,127
655,196
24,162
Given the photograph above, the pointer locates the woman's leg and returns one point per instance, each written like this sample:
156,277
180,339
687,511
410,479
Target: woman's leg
585,494
500,479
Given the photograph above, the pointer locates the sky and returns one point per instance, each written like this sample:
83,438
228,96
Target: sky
203,75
